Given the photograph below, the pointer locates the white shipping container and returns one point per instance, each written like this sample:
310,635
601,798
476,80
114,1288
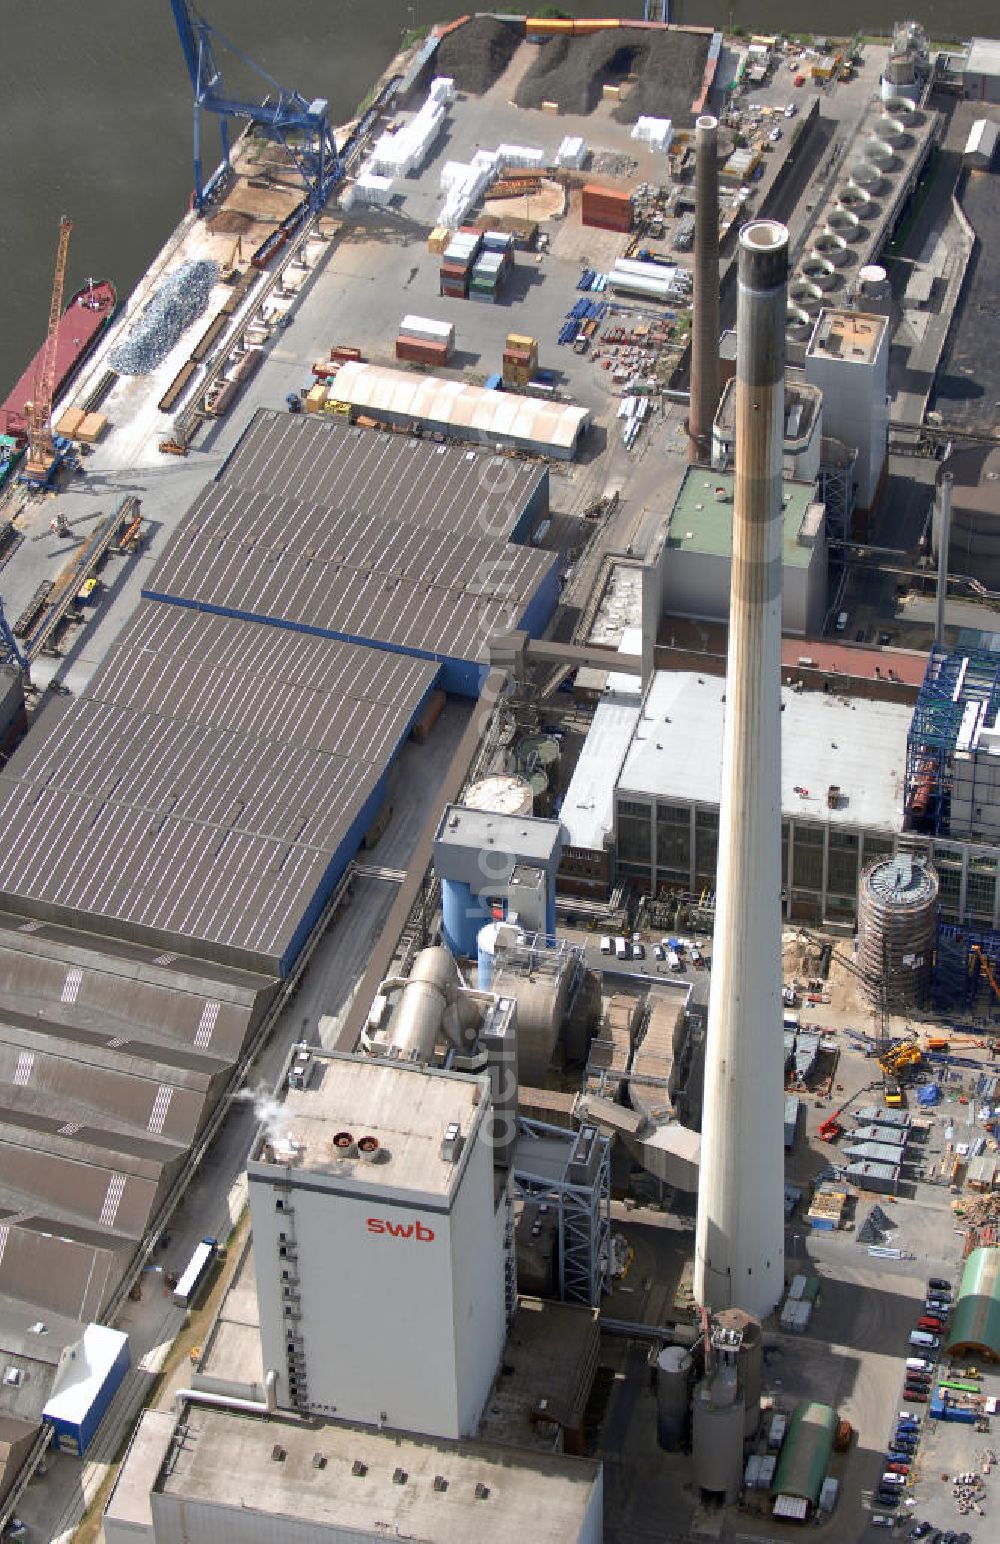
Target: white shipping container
431,331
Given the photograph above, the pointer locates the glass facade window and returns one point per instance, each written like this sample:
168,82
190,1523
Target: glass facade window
634,833
948,863
673,839
876,846
980,890
807,858
842,866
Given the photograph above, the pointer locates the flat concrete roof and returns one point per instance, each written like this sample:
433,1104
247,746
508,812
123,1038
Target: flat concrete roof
408,1109
676,752
702,517
984,57
527,838
363,535
200,790
851,336
588,807
367,1480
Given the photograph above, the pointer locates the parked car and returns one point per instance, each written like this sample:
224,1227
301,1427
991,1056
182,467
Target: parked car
898,1467
886,1496
916,1396
606,946
931,1323
659,953
939,1284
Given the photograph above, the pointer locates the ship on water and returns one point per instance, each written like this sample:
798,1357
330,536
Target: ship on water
81,324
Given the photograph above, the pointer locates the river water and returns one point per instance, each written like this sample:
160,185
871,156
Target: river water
95,113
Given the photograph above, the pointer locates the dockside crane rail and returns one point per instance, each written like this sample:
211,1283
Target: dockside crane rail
302,127
41,451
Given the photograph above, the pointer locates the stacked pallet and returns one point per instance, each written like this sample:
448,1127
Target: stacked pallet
607,208
423,341
520,359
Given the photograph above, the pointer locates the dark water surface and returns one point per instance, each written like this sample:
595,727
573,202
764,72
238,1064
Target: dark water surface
95,112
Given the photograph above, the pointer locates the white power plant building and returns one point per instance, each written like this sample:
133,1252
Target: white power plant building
848,359
377,1222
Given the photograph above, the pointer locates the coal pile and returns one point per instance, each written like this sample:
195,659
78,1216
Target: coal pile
667,68
178,302
477,54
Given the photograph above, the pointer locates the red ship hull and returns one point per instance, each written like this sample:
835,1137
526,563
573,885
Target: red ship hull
80,325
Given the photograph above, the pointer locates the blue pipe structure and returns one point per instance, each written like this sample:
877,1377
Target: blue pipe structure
285,116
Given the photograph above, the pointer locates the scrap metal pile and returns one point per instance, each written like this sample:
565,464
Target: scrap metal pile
178,301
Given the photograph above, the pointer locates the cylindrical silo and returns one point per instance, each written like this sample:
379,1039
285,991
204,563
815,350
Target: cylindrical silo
673,1397
717,1437
897,914
500,795
486,942
462,915
541,996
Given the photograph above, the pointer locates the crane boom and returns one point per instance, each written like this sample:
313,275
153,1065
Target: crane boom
41,450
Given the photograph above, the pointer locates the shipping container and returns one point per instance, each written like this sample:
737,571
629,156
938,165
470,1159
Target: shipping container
418,352
196,1273
428,330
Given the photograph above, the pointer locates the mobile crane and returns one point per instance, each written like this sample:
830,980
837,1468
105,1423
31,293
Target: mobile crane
44,454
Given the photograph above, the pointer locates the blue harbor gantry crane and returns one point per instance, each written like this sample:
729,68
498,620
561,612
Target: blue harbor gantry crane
302,127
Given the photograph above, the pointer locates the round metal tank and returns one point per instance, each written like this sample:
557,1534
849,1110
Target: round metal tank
866,177
673,1397
798,324
538,782
500,795
819,271
805,295
844,223
897,913
538,751
879,154
486,943
751,1361
541,999
893,131
873,281
831,246
717,1437
857,200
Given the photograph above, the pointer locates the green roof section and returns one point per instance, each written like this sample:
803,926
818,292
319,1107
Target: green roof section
806,1452
975,1324
702,517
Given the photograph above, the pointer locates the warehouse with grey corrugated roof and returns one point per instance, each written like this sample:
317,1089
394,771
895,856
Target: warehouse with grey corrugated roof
369,538
169,838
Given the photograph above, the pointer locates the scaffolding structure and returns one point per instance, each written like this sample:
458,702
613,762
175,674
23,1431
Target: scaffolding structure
956,685
570,1172
967,970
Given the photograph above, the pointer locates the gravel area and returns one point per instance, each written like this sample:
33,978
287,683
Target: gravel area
179,300
477,54
667,66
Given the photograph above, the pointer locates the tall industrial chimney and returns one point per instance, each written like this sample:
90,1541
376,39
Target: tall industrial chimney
739,1245
705,327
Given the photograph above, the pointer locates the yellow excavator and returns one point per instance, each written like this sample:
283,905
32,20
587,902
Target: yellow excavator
897,1061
